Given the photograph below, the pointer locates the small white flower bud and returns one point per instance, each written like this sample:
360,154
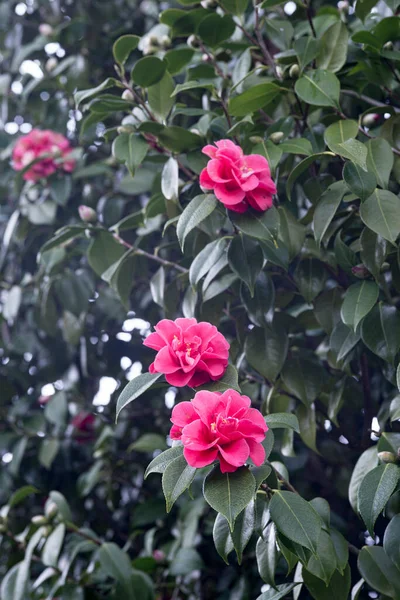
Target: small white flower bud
127,95
87,214
51,64
46,29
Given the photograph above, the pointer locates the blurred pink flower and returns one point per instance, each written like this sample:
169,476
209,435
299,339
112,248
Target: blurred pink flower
222,427
238,181
48,144
188,352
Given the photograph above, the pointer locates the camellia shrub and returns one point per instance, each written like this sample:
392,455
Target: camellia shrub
200,288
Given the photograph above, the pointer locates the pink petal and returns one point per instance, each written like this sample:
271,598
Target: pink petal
210,151
228,196
247,184
167,329
256,417
216,169
197,436
184,324
178,379
257,452
242,207
199,378
200,459
236,405
183,414
207,405
205,180
225,466
236,453
257,163
248,429
165,361
154,341
259,199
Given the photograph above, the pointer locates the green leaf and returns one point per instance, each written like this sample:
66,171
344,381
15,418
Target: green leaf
279,593
170,180
195,212
130,149
192,85
246,259
243,530
179,139
64,510
262,226
304,378
253,99
48,450
83,95
379,571
326,208
333,48
380,212
241,69
380,160
282,420
228,381
297,146
341,549
176,478
219,286
186,561
319,88
327,309
266,350
395,409
345,256
339,585
22,577
308,425
358,300
161,461
19,495
148,442
301,167
366,463
222,537
296,519
53,545
260,305
306,49
124,46
359,182
135,388
148,70
380,331
208,257
363,8
267,555
214,29
343,339
159,96
391,540
310,277
374,492
229,493
176,59
323,563
236,7
116,564
103,252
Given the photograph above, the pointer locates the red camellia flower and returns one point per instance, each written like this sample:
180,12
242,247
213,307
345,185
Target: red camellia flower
49,144
219,426
238,181
189,353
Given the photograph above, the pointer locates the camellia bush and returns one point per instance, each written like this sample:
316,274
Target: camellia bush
200,293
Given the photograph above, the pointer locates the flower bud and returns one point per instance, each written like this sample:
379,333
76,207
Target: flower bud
87,214
387,457
343,6
46,29
388,46
154,40
98,454
279,72
51,64
370,119
51,510
209,4
256,139
123,129
277,137
43,400
158,555
360,271
294,71
193,41
127,95
39,520
166,41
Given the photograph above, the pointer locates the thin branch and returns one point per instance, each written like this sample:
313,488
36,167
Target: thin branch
307,6
158,259
265,52
368,99
368,403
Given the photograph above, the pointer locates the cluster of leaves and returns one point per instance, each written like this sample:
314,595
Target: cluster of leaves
307,293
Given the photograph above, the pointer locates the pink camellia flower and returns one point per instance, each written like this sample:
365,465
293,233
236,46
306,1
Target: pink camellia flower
219,426
189,353
49,144
238,181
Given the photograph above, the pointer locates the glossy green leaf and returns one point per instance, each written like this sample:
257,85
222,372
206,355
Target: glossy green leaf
379,571
196,211
53,545
243,530
245,258
161,461
229,493
296,519
374,492
380,331
267,554
279,593
326,208
253,99
159,96
333,48
148,70
262,226
282,420
302,167
303,378
134,389
124,46
222,537
359,182
176,478
318,88
310,277
214,29
358,301
391,540
380,212
380,160
339,585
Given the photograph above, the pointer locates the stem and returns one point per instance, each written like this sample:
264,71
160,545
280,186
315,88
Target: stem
265,52
140,252
307,6
367,99
368,404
